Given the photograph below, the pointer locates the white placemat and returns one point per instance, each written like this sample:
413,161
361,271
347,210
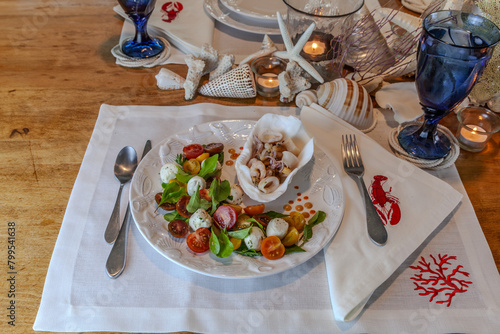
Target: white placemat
155,295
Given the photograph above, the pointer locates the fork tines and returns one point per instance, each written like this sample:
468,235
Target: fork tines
350,151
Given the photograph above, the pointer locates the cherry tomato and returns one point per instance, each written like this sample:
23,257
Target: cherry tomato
198,241
225,216
236,242
165,206
181,206
291,237
263,219
192,151
214,148
178,228
204,193
297,220
191,166
237,207
272,248
202,157
253,210
241,222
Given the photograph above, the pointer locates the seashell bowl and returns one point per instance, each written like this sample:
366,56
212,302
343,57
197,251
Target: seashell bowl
290,128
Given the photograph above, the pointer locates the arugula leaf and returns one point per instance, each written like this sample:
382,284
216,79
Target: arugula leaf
221,158
318,217
240,234
208,166
294,249
180,159
243,250
172,192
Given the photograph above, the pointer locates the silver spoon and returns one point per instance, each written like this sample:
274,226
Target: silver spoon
125,165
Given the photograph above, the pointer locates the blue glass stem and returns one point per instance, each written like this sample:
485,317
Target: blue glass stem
141,28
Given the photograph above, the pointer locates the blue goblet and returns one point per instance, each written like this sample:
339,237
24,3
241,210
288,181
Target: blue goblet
142,45
453,51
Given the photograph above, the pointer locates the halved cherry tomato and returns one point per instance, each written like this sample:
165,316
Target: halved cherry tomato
241,222
181,206
165,206
192,151
272,248
178,228
225,216
191,166
198,241
236,242
253,210
263,219
237,207
204,193
291,237
297,220
203,156
214,148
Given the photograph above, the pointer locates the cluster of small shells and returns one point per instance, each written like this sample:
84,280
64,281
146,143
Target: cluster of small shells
274,158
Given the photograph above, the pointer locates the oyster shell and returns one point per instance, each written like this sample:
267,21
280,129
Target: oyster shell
291,127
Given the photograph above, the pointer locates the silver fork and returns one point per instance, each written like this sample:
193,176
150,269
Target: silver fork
353,166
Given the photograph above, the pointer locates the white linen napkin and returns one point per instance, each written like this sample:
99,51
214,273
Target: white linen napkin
418,6
188,29
416,203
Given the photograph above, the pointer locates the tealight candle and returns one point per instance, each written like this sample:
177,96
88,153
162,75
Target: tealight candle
477,124
314,48
266,70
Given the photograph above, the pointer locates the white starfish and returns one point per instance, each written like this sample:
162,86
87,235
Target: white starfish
293,52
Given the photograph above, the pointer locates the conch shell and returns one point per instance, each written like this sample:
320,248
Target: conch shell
348,100
168,80
290,127
237,83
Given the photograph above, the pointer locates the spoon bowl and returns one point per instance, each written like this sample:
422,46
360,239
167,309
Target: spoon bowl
125,165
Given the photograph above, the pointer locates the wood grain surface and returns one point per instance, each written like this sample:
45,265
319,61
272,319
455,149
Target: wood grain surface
56,70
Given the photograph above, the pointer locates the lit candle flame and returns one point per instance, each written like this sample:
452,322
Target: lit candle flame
314,46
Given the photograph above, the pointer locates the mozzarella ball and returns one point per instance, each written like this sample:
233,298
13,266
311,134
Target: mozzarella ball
168,171
277,227
236,193
254,239
196,182
200,218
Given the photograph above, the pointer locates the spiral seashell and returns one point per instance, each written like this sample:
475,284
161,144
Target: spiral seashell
348,100
237,83
306,98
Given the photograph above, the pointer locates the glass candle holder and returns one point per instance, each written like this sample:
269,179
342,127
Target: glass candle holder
266,70
477,124
332,19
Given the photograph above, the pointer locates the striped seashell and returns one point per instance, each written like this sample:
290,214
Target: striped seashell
348,100
238,83
306,98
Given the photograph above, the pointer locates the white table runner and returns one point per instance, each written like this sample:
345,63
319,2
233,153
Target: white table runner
155,295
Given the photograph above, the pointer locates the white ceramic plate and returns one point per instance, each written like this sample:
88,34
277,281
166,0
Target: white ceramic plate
316,183
232,19
264,10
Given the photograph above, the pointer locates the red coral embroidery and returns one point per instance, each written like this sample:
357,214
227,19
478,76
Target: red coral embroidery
434,280
170,10
386,204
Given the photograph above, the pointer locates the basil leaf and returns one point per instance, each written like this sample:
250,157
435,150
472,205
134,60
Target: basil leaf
226,245
214,243
221,158
240,234
173,215
208,166
183,177
294,249
318,217
243,250
194,201
223,191
274,214
253,220
172,192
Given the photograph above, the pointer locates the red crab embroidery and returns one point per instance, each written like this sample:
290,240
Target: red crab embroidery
386,204
434,281
170,10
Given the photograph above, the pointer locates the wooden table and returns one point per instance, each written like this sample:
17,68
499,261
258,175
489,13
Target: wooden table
56,70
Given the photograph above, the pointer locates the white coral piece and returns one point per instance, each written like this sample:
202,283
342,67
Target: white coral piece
168,80
225,64
210,56
291,82
195,72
